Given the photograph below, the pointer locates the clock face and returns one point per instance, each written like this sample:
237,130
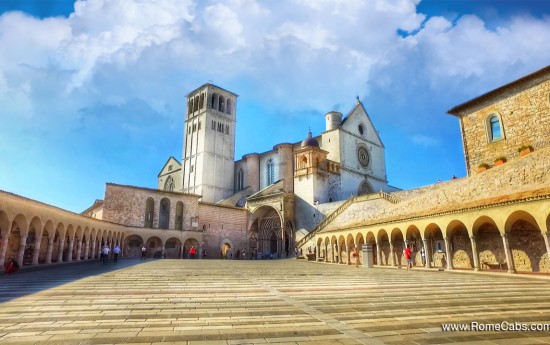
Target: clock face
363,156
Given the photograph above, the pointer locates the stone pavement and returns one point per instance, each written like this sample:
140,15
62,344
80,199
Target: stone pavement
263,302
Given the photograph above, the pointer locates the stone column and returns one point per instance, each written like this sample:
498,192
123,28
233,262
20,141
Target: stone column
61,247
427,253
378,254
93,247
508,253
199,254
21,252
87,249
546,236
70,253
162,252
79,250
3,249
36,251
448,253
50,251
392,260
121,246
474,253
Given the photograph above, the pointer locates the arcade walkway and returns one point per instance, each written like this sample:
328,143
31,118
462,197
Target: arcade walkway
263,302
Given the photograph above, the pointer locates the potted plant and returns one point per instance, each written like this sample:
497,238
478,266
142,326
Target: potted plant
525,149
483,167
500,160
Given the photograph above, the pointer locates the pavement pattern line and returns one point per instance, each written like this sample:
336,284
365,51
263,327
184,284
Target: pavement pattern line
199,302
321,316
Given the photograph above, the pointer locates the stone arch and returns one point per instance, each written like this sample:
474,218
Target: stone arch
77,247
342,250
132,246
460,246
325,250
333,249
526,242
48,235
188,243
383,241
488,241
268,229
154,247
34,230
58,241
172,248
436,252
370,238
398,242
414,240
226,248
365,188
17,230
69,244
359,242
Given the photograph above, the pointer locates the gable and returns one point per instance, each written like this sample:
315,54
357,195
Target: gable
170,166
358,119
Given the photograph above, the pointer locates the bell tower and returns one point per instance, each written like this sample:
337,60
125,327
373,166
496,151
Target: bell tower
209,143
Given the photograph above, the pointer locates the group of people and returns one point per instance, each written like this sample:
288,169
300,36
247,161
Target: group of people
104,257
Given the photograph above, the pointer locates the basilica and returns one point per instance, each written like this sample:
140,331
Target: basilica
320,197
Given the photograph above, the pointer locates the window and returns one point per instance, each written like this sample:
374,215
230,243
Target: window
240,180
169,184
164,217
201,102
149,212
196,103
361,129
213,125
191,168
270,172
495,128
179,215
226,129
228,107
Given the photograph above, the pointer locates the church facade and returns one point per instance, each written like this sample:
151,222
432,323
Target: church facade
288,189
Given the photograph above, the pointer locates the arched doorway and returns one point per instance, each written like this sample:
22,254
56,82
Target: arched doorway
271,239
132,246
187,245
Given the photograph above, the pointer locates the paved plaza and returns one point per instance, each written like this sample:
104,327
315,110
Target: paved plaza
263,302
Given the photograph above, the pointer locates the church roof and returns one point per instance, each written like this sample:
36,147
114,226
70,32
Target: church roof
309,141
210,84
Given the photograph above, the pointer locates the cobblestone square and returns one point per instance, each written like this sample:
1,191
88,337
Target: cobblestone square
263,302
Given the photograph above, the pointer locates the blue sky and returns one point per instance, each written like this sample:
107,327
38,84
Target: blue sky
94,91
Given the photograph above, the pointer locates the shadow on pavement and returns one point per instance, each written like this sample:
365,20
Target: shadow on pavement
34,279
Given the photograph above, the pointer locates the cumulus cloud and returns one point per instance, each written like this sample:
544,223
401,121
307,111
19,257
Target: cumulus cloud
110,57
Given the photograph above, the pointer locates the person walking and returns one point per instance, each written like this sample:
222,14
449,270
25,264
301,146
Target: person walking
192,252
408,257
116,253
105,254
356,256
143,252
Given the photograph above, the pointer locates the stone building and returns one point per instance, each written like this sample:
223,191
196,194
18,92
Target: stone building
288,189
495,219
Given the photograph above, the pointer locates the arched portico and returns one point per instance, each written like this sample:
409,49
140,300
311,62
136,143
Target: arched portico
155,248
526,242
414,241
460,248
489,243
397,246
132,246
436,254
383,243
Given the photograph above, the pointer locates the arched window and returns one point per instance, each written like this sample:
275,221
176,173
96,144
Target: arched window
228,106
196,103
240,180
169,184
304,162
179,215
149,212
270,171
164,218
222,104
190,106
201,102
495,128
365,188
214,101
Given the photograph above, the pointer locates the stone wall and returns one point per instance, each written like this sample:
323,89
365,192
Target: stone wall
126,205
528,248
223,224
525,120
